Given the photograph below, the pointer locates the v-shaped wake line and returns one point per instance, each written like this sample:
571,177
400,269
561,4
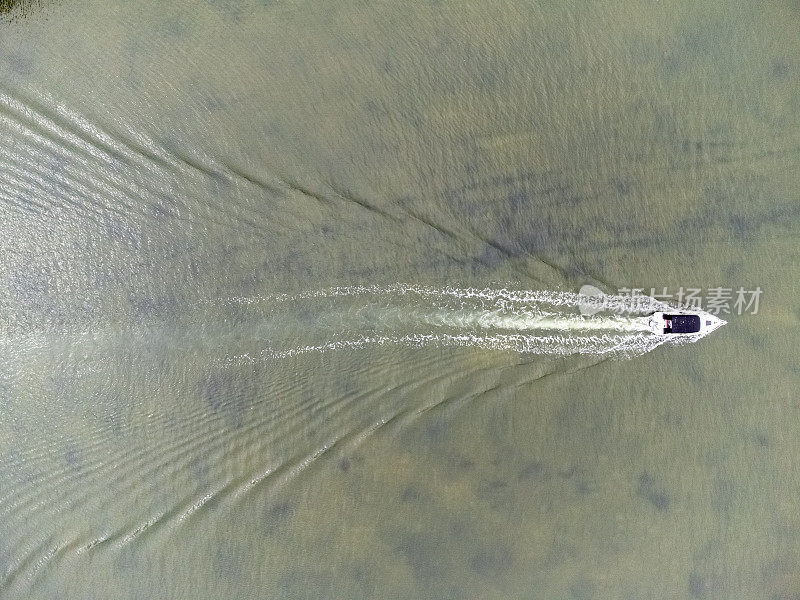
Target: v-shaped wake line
554,345
492,296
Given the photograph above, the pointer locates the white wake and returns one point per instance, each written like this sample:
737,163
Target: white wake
541,322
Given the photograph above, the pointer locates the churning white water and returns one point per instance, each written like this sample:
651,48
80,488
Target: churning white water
525,321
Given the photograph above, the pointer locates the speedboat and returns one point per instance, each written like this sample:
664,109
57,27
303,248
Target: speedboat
683,323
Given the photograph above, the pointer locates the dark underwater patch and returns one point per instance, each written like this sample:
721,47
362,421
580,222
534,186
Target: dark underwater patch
20,65
305,584
697,586
497,494
229,560
725,495
411,493
227,392
780,67
583,588
278,514
73,457
422,556
491,563
457,465
762,440
652,493
532,470
434,432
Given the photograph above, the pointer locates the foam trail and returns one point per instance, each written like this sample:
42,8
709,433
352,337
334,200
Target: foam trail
540,322
528,321
597,345
497,296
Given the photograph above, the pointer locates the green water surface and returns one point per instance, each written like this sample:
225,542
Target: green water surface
156,157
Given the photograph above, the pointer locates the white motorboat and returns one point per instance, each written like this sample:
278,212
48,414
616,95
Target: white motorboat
684,323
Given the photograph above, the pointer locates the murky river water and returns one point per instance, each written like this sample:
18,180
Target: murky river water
185,412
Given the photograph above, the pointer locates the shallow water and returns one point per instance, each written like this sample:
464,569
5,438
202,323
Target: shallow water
182,414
